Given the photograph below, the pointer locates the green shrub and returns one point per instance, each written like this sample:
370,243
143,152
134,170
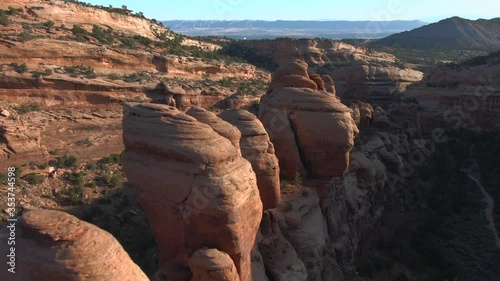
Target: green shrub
143,40
112,159
26,36
104,36
13,11
3,179
80,70
25,108
67,161
19,68
34,179
75,195
114,76
49,24
48,72
86,142
297,180
137,77
4,19
283,184
76,178
78,30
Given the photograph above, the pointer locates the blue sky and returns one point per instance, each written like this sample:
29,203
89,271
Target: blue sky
427,10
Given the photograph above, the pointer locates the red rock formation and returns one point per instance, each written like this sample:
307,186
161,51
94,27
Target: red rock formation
56,246
292,73
257,148
212,265
195,188
312,131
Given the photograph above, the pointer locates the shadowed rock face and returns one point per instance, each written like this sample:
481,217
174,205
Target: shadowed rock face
257,148
56,246
196,189
312,131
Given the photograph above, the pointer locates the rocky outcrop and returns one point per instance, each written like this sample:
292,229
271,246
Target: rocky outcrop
360,73
257,148
312,131
56,246
195,188
212,265
292,73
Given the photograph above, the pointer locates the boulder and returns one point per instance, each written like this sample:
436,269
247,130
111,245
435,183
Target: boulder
292,73
257,148
194,186
5,113
212,265
56,246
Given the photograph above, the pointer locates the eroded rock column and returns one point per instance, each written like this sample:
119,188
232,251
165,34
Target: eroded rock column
196,189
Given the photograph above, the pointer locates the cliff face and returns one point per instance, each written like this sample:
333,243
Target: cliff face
464,98
359,73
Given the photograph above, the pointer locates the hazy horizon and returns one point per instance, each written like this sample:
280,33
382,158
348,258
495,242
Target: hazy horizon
312,10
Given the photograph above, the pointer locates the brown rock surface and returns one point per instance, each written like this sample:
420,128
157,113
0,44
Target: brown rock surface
212,265
257,148
194,186
56,246
312,131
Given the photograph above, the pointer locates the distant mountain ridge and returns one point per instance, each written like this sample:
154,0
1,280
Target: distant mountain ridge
254,29
452,33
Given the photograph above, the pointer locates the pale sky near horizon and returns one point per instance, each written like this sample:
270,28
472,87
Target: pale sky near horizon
374,10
